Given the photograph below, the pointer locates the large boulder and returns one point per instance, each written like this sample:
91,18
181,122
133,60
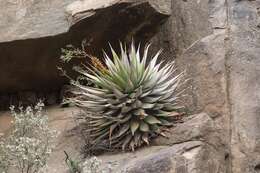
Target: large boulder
33,32
188,157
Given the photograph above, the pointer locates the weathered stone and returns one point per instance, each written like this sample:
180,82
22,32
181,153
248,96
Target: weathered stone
223,68
32,33
200,48
204,63
199,127
188,23
244,85
186,157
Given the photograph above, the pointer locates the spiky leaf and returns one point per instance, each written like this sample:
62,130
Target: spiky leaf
144,127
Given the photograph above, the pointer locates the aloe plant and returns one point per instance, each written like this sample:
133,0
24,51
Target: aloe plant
132,98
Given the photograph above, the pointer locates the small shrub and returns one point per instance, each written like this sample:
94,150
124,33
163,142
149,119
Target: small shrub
30,142
94,165
131,100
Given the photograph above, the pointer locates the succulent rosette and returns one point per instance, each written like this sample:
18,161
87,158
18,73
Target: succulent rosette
131,100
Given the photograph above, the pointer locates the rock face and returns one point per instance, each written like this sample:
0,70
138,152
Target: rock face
220,55
244,85
33,32
186,157
199,45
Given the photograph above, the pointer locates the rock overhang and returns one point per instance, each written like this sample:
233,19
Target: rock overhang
31,37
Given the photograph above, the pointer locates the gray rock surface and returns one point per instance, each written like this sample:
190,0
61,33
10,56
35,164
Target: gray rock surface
196,38
198,127
221,60
244,85
188,23
21,19
188,157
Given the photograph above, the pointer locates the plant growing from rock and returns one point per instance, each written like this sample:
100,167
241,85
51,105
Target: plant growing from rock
131,99
30,142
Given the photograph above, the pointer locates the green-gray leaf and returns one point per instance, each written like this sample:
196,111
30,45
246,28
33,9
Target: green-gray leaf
151,120
144,127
